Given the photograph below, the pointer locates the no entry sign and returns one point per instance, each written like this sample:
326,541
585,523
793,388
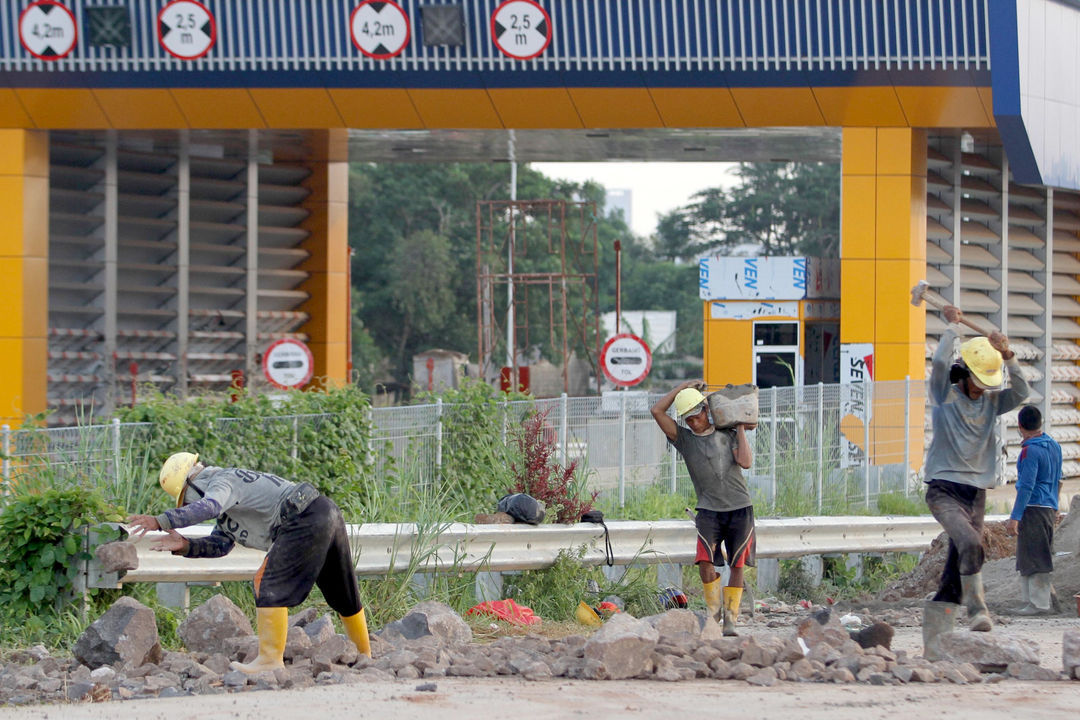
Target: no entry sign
288,364
625,359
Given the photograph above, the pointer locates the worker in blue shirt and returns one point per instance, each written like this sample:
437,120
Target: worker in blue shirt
1032,520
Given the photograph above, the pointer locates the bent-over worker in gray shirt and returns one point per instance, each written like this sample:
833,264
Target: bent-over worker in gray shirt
967,396
302,531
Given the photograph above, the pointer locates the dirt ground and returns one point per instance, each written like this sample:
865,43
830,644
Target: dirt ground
473,699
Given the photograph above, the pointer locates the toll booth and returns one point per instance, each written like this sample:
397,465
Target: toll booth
771,321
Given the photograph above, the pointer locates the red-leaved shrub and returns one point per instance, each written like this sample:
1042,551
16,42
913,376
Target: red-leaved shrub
539,475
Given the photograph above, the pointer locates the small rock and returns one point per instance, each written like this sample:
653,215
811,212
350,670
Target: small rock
117,556
765,677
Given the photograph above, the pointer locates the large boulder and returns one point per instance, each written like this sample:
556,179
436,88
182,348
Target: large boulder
989,652
125,635
429,618
208,626
622,646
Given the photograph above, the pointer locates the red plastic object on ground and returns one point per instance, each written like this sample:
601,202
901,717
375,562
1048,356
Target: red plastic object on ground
506,610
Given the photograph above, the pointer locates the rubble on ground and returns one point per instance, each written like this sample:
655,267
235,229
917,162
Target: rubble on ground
433,642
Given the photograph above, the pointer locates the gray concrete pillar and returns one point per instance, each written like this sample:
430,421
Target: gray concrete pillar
669,575
814,567
488,586
768,575
174,595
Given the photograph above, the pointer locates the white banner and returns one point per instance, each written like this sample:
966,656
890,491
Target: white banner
856,371
745,310
768,278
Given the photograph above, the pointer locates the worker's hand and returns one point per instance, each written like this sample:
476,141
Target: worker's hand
1012,526
697,384
142,524
172,542
952,313
1000,343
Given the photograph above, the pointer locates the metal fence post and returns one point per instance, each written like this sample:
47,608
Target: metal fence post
116,445
295,436
907,435
821,443
7,457
505,413
622,448
438,438
868,386
772,445
564,435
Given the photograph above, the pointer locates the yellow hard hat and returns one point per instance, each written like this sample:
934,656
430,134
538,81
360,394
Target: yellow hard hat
174,472
687,402
586,615
983,360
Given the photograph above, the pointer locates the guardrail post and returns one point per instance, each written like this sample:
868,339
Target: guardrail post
564,435
7,457
174,595
820,444
855,560
768,574
669,575
814,567
488,586
622,448
116,445
866,441
907,435
772,446
438,438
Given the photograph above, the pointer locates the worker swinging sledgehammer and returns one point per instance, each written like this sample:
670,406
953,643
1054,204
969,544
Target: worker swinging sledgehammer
302,531
715,459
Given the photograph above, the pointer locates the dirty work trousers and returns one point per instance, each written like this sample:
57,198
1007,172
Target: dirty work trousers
1035,542
310,549
960,509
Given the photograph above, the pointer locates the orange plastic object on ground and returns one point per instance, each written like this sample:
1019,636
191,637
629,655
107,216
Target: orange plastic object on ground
507,610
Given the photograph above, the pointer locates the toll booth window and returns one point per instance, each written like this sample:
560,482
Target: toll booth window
775,370
766,333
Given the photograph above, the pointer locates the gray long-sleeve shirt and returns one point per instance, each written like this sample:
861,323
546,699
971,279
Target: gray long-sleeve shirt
246,504
965,445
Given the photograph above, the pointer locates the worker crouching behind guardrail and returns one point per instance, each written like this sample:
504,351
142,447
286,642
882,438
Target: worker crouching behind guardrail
302,531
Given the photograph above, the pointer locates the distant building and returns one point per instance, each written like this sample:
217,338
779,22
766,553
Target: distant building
619,199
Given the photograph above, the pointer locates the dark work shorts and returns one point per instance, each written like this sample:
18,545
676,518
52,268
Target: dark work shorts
733,528
1035,541
310,549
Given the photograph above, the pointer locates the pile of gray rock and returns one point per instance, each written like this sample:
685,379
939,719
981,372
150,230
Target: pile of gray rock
120,656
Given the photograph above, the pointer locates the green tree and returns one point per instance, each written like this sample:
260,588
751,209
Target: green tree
784,208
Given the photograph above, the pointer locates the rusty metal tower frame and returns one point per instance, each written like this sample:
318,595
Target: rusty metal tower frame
505,232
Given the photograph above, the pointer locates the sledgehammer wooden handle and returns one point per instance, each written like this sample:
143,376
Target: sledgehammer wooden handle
922,292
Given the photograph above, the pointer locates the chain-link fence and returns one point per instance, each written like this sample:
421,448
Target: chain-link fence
810,444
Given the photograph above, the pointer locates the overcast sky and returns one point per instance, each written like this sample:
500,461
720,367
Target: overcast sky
656,187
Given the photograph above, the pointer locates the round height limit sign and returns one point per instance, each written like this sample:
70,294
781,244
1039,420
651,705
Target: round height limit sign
186,29
521,29
625,359
380,30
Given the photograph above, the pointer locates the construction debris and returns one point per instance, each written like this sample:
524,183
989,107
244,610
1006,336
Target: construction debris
432,642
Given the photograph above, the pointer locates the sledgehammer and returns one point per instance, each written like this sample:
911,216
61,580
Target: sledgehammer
922,292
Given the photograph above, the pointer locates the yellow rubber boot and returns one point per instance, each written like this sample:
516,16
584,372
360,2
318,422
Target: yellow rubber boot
273,626
712,598
356,629
732,600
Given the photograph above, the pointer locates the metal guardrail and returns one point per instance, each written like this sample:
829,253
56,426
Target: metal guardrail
380,548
